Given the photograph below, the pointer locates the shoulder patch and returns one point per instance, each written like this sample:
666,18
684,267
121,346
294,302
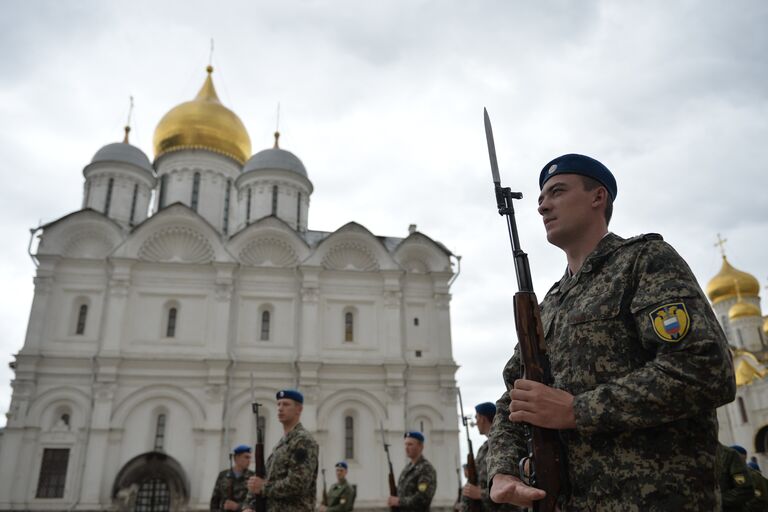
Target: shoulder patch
739,479
423,486
301,455
671,321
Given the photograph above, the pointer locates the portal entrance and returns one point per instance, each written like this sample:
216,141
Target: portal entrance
151,482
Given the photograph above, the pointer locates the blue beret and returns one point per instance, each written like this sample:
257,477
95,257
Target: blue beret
739,449
342,464
753,465
487,409
243,448
415,435
292,394
579,164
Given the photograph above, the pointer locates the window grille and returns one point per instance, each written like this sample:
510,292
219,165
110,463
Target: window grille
53,473
82,315
349,326
349,437
170,330
160,433
153,496
195,190
274,200
265,322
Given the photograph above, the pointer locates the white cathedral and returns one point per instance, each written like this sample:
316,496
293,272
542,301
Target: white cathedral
150,334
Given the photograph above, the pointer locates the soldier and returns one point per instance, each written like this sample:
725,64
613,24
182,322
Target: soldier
230,490
341,496
418,481
638,360
484,414
291,481
736,487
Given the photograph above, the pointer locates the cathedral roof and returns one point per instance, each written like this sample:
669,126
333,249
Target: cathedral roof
275,158
742,310
729,282
203,123
124,153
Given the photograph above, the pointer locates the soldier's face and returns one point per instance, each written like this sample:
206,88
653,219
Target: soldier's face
567,209
413,447
242,460
288,410
341,473
483,424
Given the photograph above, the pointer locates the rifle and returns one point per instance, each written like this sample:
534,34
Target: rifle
260,470
473,505
230,490
461,487
392,486
325,490
544,454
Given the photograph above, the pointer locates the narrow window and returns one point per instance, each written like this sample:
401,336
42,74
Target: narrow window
416,322
226,207
349,437
53,473
195,190
133,203
163,191
421,426
742,410
741,340
248,208
160,433
65,419
274,200
170,330
87,193
418,353
82,314
108,201
265,318
298,211
349,326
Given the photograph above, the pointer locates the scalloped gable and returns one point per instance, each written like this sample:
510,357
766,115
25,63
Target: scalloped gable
419,253
175,234
352,247
268,242
85,233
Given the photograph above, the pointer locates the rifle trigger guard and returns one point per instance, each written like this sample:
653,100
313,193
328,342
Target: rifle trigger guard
524,477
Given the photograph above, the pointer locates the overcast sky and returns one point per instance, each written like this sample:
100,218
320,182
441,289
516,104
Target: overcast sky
383,103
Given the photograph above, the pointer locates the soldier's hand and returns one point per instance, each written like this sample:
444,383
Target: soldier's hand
538,404
393,501
472,492
255,484
231,505
322,508
509,489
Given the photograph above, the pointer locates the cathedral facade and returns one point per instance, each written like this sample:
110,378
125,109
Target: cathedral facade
150,334
735,297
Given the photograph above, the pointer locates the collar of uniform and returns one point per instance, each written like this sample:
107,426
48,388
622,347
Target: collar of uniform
609,243
293,431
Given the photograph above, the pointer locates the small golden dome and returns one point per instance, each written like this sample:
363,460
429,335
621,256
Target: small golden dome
747,368
743,309
726,283
203,123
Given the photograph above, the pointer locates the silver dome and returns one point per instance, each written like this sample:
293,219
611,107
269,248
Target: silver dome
125,153
275,158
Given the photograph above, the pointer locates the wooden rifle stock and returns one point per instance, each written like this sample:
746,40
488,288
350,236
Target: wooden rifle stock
473,505
544,453
392,485
260,469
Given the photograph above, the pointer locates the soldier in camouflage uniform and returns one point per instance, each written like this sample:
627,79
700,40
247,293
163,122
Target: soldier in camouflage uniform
484,414
291,482
230,490
418,480
638,360
341,496
736,488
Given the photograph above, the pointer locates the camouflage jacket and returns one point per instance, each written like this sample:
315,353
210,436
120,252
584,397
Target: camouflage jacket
341,497
759,503
291,484
481,463
735,482
633,338
416,486
227,482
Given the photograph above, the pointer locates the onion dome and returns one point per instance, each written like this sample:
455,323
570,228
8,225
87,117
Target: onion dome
123,152
275,158
743,309
747,368
727,283
203,123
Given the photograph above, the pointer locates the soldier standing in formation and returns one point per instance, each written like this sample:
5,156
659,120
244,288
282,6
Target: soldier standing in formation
638,360
484,414
230,490
341,496
418,480
291,481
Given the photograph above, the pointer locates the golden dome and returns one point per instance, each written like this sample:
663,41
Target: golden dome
726,283
203,123
743,309
747,368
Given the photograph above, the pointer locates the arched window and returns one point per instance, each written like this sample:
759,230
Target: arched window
227,192
163,191
160,433
108,200
349,437
742,410
133,203
195,190
82,315
53,473
248,208
87,193
349,326
274,200
170,328
266,318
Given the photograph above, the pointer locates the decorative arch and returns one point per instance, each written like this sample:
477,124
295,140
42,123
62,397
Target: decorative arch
364,398
159,391
177,244
154,468
352,247
268,242
420,254
83,234
427,410
47,401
